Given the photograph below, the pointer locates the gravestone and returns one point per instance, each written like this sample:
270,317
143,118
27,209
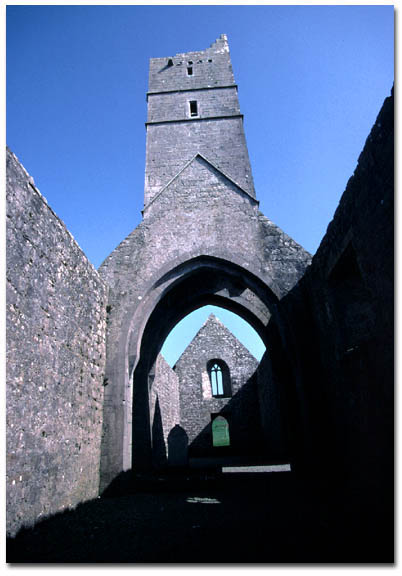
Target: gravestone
177,447
220,432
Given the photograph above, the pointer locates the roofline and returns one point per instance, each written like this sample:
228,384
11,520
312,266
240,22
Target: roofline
213,166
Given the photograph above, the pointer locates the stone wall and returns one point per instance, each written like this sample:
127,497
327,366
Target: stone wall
211,68
56,323
200,206
272,407
197,402
175,136
350,287
220,141
173,106
339,358
200,213
164,408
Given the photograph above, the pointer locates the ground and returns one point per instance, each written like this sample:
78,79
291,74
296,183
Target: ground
230,518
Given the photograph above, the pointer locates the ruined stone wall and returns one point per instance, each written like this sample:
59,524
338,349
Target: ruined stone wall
197,206
211,68
56,323
273,408
351,292
164,408
339,360
197,403
200,213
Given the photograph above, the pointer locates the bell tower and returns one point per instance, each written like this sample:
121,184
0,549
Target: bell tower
202,241
193,108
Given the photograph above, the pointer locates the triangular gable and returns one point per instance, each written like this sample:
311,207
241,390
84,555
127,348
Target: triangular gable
225,333
214,167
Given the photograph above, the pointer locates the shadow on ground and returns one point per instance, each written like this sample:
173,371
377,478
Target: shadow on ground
177,518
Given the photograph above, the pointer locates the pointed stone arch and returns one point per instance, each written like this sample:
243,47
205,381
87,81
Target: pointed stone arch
178,291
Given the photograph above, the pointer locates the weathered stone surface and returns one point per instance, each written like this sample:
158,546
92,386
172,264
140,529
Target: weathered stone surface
183,397
164,408
202,239
350,288
56,312
197,404
174,135
339,356
214,69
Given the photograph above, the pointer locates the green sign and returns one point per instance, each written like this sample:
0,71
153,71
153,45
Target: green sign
220,432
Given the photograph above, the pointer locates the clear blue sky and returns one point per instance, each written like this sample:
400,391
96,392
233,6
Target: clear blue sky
311,82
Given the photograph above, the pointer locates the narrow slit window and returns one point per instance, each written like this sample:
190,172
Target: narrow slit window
193,108
189,70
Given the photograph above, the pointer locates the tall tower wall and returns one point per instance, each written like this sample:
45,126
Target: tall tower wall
200,209
193,108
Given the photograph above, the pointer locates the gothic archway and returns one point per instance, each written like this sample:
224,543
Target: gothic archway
193,284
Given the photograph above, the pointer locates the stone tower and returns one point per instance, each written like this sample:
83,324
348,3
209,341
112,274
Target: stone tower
202,241
193,109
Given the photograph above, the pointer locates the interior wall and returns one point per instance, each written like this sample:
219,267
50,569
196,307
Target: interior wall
341,318
56,324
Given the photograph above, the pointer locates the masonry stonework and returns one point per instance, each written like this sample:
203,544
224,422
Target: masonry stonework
199,201
197,403
350,288
175,136
88,394
164,409
56,320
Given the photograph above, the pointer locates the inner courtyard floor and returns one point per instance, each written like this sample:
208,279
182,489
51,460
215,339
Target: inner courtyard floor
195,518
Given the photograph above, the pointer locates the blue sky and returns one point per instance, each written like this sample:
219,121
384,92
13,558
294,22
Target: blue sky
311,82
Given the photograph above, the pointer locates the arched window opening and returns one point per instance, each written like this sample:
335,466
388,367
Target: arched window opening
216,380
219,377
